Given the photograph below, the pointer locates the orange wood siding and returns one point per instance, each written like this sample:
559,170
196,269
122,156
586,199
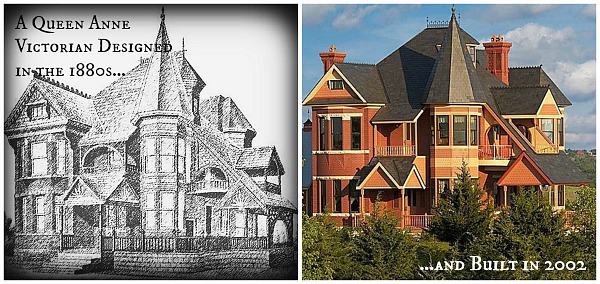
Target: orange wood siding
379,179
325,92
523,173
412,180
548,109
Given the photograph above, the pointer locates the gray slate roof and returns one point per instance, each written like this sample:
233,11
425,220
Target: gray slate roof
365,78
258,158
398,167
222,113
519,100
559,168
535,76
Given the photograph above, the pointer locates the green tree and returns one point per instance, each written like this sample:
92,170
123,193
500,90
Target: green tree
461,216
531,231
381,250
322,248
583,236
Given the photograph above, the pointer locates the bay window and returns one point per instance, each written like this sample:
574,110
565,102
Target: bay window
167,155
336,133
442,129
61,159
474,130
167,207
547,125
39,159
39,213
561,131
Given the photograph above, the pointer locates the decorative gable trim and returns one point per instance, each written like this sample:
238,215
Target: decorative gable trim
548,106
525,171
373,171
412,175
325,80
81,194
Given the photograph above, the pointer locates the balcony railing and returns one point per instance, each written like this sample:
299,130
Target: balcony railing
210,186
546,149
417,221
406,150
495,152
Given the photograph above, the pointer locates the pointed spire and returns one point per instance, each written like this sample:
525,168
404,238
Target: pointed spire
454,78
183,50
164,89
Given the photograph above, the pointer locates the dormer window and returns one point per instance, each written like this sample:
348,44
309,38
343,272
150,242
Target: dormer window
473,53
336,85
37,110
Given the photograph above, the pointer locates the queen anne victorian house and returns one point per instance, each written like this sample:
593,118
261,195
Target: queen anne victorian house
402,127
146,155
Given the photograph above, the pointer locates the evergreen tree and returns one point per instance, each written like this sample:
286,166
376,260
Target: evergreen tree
582,237
531,231
322,249
461,216
381,250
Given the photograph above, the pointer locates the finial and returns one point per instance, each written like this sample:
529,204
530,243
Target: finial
332,48
453,9
162,13
183,46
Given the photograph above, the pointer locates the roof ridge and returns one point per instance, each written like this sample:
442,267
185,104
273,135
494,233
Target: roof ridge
358,63
521,87
527,67
58,84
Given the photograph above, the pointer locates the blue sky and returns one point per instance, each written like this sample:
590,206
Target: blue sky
560,37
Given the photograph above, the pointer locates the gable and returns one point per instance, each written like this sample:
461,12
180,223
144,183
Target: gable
240,197
523,172
32,107
414,180
378,178
124,193
322,94
81,194
548,106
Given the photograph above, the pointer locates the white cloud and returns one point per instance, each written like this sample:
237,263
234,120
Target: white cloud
577,80
589,11
315,14
537,37
580,131
511,12
352,16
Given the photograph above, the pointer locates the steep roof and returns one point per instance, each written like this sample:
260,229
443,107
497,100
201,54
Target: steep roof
559,168
454,79
67,101
535,76
223,114
365,78
398,167
259,158
529,98
163,88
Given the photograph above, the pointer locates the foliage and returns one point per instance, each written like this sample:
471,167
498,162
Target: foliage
583,237
586,163
461,215
9,236
382,250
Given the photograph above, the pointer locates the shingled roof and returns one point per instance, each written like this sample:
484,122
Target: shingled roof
259,158
559,168
223,114
398,167
365,78
535,76
529,98
454,79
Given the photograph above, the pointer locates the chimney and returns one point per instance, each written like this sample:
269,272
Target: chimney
331,57
497,57
307,126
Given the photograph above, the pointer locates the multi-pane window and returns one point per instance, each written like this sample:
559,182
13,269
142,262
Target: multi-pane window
181,155
167,207
443,185
355,127
121,216
336,133
150,211
547,125
561,195
442,128
561,132
61,157
150,157
240,223
39,213
474,130
167,155
354,196
336,84
39,159
37,111
459,130
322,145
337,186
323,188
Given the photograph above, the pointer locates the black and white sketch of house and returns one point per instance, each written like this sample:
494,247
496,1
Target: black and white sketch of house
145,165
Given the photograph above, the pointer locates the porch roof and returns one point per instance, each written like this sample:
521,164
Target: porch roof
400,171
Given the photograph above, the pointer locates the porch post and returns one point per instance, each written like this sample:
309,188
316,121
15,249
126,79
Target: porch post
361,203
505,195
62,220
402,212
100,224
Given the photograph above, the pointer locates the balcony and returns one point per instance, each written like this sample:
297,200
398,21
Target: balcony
209,186
495,155
546,149
407,150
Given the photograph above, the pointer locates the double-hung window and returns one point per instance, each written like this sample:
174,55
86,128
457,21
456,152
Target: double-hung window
336,133
39,158
167,207
442,128
355,127
474,130
547,125
337,186
459,130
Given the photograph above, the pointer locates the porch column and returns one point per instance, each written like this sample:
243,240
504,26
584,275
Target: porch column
505,195
100,225
61,230
361,203
402,212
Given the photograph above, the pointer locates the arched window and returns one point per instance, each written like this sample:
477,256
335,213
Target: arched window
102,159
